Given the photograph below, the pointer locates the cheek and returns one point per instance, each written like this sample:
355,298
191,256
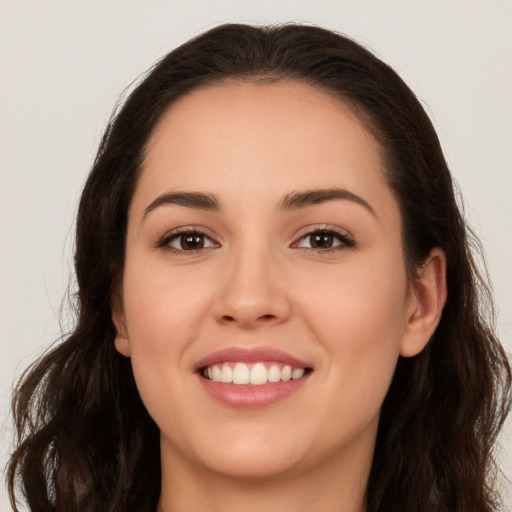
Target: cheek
163,308
359,318
163,311
366,296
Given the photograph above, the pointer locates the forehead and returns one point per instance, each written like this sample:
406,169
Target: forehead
249,139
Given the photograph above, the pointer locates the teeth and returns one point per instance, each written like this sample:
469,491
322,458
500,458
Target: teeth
274,373
297,373
240,373
226,374
286,373
256,375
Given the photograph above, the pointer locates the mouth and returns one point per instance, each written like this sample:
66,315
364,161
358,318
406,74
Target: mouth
253,374
251,377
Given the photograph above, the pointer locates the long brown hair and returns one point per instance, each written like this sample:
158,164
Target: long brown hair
84,439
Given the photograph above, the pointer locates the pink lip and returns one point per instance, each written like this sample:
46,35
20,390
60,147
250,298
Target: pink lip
242,396
249,355
247,397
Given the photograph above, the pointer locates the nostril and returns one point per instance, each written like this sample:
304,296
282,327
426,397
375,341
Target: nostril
229,318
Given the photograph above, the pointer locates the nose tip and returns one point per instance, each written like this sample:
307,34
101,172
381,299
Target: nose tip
251,297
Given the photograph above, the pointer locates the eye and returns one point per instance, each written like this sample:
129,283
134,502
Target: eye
187,241
324,240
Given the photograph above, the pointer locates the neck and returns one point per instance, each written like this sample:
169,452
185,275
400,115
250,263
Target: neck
332,487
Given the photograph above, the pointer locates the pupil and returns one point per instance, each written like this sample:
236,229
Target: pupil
321,241
192,242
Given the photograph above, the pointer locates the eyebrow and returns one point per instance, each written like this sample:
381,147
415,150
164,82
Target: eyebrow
292,201
297,200
197,200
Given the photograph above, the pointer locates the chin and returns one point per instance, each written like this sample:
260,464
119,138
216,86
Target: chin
246,453
255,465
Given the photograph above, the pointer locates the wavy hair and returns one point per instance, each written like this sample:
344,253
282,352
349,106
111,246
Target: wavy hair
84,439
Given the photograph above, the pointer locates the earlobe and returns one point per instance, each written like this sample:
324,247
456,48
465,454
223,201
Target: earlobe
428,297
121,342
122,346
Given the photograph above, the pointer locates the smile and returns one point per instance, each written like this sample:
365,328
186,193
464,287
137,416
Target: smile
243,377
252,374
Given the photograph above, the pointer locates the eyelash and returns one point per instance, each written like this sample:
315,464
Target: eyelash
345,240
164,242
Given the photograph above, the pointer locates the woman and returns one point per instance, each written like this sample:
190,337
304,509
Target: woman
278,306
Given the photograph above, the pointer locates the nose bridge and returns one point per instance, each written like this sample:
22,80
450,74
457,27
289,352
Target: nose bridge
252,292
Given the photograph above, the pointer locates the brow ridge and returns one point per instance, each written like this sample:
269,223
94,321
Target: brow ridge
292,201
296,200
196,200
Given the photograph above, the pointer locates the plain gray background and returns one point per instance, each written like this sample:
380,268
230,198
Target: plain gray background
63,65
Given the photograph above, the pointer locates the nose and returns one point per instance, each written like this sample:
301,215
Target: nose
253,291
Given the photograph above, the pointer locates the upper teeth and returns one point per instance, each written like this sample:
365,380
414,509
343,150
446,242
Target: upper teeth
255,374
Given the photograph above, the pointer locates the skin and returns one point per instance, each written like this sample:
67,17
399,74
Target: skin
349,312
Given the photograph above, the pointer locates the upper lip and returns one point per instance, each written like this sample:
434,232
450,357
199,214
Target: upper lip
249,355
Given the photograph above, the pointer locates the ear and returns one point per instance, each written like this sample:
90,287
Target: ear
121,342
427,299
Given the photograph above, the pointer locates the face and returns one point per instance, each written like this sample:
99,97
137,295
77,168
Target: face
264,247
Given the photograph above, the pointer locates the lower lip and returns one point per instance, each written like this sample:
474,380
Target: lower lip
250,397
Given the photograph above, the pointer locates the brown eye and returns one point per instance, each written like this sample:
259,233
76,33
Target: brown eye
187,242
321,240
324,241
191,242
